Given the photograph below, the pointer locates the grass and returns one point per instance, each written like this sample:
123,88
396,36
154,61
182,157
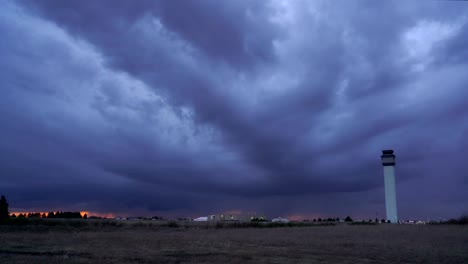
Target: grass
101,241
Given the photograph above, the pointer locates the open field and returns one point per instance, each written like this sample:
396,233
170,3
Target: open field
160,243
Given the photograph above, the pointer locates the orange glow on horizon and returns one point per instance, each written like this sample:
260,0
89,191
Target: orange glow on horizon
301,217
233,212
103,215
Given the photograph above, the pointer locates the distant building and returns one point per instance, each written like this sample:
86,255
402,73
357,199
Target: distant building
235,217
201,219
280,220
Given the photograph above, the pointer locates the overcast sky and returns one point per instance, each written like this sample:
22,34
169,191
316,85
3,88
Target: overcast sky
205,106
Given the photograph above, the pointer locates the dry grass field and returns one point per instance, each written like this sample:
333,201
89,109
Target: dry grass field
153,243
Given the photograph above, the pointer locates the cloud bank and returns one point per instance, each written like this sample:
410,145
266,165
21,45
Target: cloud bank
205,106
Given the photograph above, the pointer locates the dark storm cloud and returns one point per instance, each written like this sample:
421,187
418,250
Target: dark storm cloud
212,105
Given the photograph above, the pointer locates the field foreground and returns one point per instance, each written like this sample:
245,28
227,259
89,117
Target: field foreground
162,244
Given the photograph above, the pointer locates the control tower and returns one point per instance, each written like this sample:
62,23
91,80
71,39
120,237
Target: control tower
388,162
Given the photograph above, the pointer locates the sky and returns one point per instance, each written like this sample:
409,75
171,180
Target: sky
189,108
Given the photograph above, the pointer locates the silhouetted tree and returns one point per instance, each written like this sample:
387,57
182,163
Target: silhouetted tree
319,220
348,219
257,219
65,215
382,221
337,219
85,216
13,216
4,214
463,220
34,215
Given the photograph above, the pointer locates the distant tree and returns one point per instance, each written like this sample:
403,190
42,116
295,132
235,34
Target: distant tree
4,214
319,220
85,216
21,216
348,219
13,216
314,220
463,220
67,215
388,221
50,215
43,215
382,221
34,215
337,219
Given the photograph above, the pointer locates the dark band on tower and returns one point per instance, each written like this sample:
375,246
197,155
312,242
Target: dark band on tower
388,159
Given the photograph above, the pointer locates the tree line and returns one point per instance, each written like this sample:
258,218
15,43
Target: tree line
5,214
330,219
51,215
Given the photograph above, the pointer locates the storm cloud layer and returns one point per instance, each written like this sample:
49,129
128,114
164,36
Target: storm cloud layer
197,107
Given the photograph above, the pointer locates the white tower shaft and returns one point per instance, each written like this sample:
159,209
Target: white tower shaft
390,194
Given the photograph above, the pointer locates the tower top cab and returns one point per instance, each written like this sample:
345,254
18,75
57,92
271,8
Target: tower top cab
388,158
